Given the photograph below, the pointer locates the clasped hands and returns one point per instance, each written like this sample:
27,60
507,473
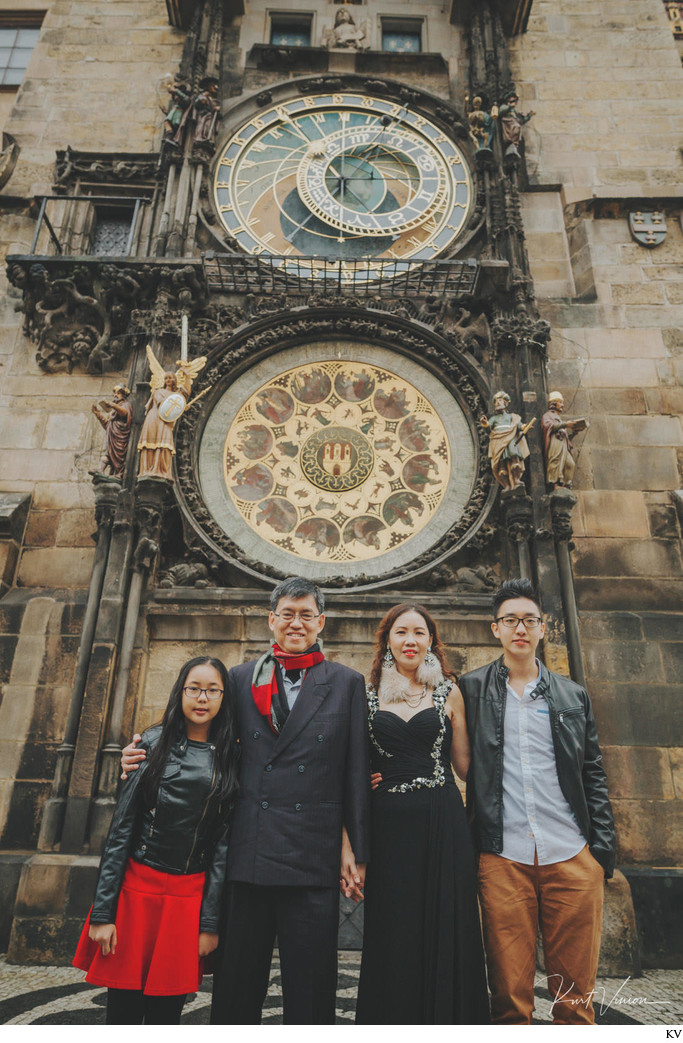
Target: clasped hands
351,874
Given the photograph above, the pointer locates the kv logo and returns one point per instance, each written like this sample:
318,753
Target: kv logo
673,1033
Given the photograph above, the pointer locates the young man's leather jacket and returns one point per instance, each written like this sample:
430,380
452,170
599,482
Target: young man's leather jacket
577,757
185,832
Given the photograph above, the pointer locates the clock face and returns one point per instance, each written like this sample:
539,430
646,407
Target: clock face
345,176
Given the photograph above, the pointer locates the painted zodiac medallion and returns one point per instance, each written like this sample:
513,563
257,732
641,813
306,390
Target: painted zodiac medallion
337,461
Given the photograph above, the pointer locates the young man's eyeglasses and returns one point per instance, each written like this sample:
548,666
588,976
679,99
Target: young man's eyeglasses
512,622
193,691
287,615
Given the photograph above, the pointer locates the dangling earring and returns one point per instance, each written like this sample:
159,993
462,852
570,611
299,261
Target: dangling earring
429,671
388,659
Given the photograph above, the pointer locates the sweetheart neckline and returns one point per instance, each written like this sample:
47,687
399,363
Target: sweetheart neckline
407,720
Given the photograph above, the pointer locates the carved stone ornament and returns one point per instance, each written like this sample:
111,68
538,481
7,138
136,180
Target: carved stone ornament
518,513
84,315
151,500
562,503
477,579
512,332
330,465
648,227
196,569
118,168
8,157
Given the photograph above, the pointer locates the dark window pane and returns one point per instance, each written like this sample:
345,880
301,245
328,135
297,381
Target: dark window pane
111,236
401,43
290,32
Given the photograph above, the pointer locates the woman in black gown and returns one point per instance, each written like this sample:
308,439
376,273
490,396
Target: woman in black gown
423,960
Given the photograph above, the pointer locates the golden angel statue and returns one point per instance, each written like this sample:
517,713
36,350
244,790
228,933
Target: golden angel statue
167,402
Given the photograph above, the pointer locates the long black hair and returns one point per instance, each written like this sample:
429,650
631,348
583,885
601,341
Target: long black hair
222,734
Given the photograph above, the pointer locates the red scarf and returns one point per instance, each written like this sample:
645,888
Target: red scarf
264,680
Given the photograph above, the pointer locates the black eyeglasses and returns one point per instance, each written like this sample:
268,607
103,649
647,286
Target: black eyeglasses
512,622
306,616
193,691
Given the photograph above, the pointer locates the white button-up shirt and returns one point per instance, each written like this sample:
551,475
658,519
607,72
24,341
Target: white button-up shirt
536,815
291,687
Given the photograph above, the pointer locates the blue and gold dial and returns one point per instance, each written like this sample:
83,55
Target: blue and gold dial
346,176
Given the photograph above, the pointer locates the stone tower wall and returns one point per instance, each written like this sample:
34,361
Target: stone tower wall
605,81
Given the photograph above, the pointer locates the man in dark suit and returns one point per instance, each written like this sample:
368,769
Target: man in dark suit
304,774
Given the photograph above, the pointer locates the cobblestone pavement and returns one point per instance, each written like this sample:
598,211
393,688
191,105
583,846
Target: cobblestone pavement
59,996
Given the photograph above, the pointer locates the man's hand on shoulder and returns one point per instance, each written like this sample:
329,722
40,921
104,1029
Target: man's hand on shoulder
131,757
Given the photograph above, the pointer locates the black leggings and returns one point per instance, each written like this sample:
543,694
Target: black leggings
132,1007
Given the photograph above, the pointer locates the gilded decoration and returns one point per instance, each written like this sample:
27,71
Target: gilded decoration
277,362
337,461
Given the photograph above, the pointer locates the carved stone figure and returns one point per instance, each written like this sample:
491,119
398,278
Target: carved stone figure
186,574
204,112
8,157
345,33
481,123
557,442
508,447
512,122
177,106
166,404
116,423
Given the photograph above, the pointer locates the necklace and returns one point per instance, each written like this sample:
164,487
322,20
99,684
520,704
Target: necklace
396,689
417,698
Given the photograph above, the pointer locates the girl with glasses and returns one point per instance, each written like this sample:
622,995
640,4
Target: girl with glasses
154,919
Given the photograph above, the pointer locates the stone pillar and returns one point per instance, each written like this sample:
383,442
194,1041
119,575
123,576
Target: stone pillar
100,677
106,495
518,511
152,496
562,502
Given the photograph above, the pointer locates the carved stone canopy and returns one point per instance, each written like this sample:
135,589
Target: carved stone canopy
83,313
337,443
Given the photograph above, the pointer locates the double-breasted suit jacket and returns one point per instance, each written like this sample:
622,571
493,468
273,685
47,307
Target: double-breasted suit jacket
298,788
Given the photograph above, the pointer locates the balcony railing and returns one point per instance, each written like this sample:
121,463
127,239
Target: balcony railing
229,273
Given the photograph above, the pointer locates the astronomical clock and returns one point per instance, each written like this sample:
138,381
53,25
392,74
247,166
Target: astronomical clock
344,175
346,447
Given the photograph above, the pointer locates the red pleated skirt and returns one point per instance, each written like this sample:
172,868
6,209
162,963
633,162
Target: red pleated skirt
157,928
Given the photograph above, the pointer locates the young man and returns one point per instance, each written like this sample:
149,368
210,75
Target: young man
304,773
542,819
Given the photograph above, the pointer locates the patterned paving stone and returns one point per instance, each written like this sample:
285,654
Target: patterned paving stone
59,996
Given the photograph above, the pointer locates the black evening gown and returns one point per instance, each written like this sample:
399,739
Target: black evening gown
423,961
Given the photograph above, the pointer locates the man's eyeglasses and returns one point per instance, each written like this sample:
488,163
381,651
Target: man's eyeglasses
193,691
306,616
512,622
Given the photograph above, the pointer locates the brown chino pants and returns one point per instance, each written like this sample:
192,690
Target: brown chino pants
566,898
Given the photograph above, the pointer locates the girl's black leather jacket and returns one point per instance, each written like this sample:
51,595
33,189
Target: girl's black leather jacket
186,831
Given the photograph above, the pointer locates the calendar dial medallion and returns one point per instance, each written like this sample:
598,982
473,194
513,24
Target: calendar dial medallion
346,176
